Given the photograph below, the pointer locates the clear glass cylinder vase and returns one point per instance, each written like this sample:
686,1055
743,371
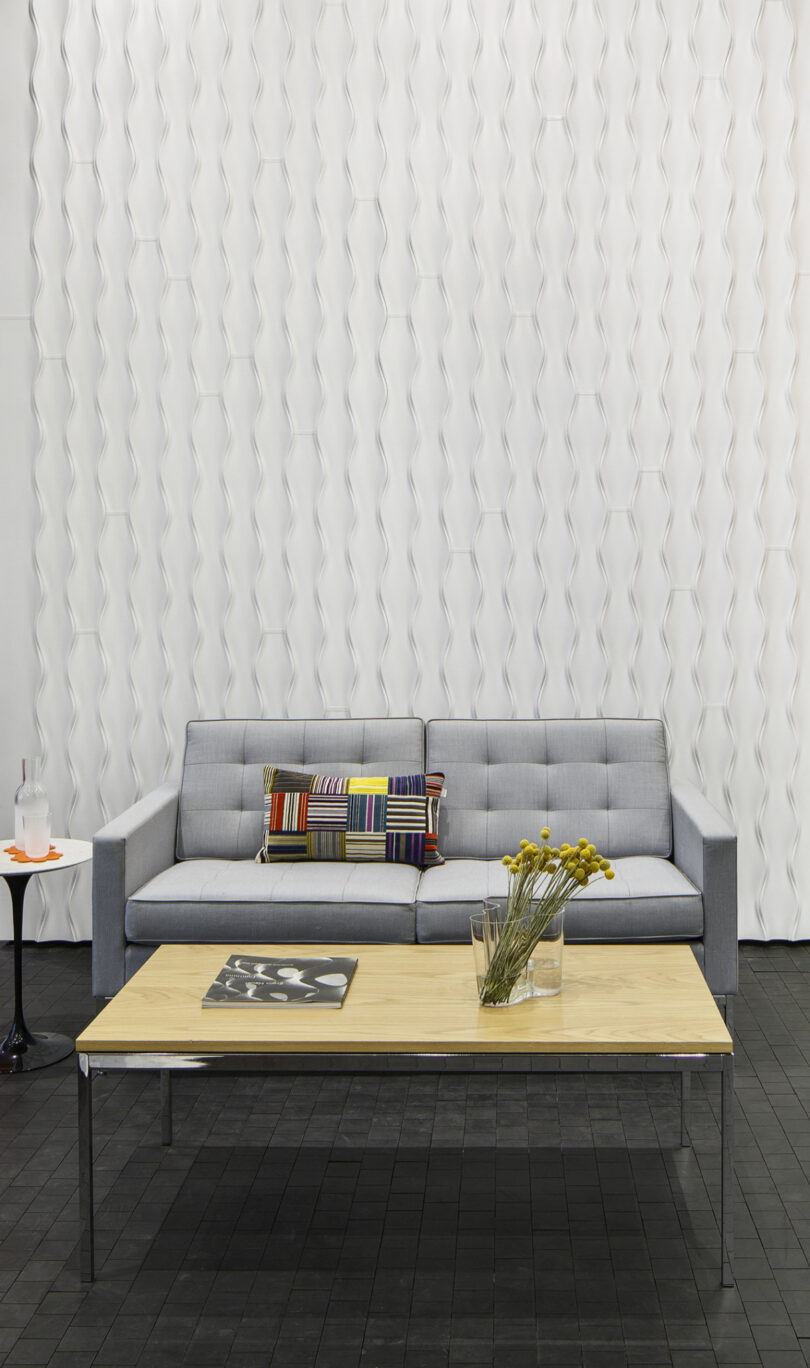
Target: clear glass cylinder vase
30,800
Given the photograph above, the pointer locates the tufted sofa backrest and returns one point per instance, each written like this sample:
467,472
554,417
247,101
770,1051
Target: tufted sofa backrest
606,779
222,795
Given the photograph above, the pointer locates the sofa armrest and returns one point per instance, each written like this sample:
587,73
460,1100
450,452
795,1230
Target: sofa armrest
126,853
705,849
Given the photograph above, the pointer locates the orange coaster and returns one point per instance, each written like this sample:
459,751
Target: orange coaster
20,857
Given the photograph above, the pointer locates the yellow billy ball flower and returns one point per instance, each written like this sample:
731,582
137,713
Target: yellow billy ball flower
551,869
535,850
507,860
572,864
514,868
564,847
582,843
603,863
609,874
524,845
545,833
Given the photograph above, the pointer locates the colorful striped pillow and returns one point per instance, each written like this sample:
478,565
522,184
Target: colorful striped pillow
390,819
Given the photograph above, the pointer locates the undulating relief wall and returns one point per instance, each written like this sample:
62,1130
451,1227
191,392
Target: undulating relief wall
394,356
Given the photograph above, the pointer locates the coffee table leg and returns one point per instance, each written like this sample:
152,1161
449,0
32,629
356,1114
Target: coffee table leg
686,1093
727,1172
166,1105
87,1241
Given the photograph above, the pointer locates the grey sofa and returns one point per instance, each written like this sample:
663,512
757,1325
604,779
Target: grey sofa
179,865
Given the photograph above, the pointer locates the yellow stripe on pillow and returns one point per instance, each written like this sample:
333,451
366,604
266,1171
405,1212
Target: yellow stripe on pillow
367,783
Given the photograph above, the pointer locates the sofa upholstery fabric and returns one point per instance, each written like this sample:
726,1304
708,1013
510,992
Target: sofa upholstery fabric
222,791
648,900
705,848
127,852
221,900
606,779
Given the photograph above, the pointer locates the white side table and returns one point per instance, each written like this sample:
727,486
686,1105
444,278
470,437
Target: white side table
21,1049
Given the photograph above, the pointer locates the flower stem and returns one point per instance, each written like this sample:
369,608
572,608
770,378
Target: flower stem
527,917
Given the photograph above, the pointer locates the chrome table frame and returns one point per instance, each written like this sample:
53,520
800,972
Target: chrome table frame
394,1062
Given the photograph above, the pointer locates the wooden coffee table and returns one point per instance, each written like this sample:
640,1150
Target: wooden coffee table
622,1007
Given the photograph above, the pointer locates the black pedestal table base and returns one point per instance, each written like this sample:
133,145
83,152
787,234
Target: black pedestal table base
40,1049
23,1050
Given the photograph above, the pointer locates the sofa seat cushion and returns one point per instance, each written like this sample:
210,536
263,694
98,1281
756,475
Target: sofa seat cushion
237,900
649,899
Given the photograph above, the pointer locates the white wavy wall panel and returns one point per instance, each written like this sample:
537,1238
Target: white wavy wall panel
400,357
17,360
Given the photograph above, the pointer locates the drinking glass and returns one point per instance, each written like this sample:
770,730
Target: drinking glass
37,834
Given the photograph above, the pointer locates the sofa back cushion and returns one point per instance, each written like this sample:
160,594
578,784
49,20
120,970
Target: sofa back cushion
606,779
222,791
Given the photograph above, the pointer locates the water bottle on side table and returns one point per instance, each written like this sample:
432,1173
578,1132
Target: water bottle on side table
31,804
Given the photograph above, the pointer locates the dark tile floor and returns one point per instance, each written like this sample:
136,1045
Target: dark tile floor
333,1222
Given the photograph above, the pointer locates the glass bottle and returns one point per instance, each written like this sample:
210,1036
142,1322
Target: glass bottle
30,797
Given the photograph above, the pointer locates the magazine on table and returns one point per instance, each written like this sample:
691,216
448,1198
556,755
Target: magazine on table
264,981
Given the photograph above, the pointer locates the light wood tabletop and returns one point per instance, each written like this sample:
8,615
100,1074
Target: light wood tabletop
616,999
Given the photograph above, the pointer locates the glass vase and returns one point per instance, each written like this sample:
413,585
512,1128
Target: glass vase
30,800
546,963
511,965
501,969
